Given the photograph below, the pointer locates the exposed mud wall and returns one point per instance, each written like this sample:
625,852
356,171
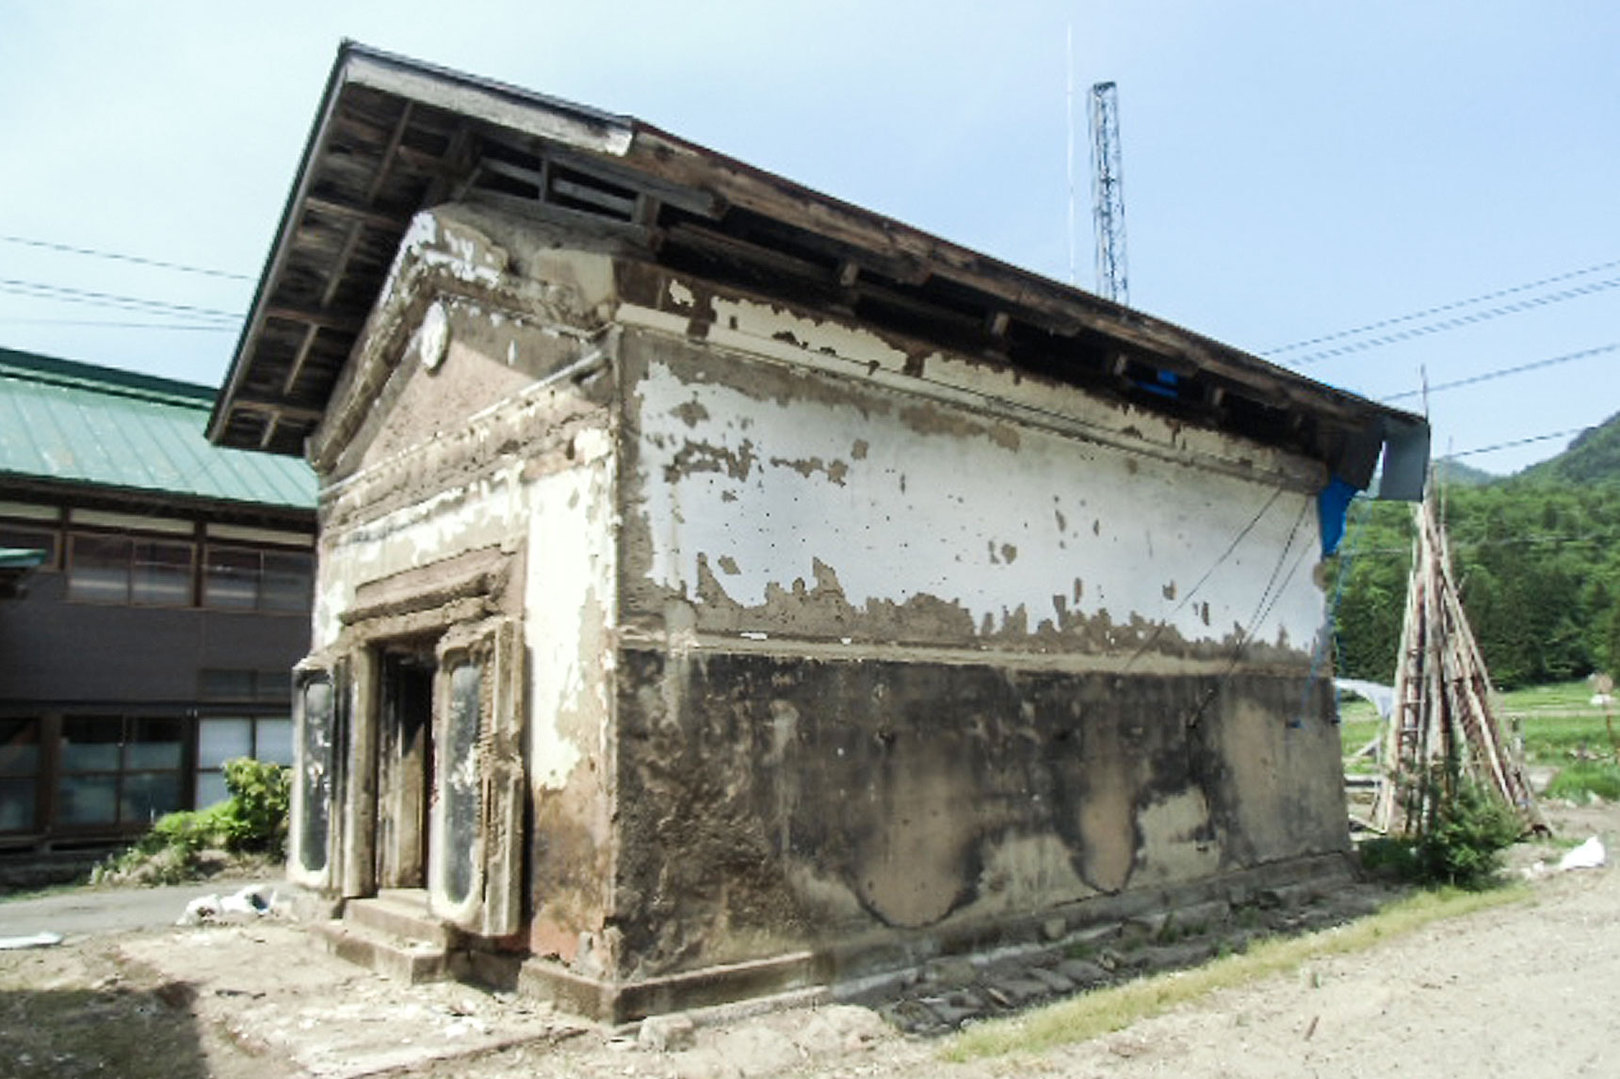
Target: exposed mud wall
770,803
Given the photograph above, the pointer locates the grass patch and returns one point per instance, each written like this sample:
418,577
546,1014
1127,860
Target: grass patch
1557,738
1557,696
1579,781
1354,734
1105,1011
1558,722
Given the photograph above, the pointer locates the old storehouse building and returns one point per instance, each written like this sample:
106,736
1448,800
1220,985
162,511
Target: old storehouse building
156,596
724,588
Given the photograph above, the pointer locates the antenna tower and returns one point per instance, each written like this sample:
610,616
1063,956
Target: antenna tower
1108,194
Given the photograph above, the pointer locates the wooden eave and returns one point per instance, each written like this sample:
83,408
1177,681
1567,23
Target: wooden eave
394,136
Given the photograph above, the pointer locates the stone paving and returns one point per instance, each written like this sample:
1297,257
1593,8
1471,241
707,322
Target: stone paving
949,993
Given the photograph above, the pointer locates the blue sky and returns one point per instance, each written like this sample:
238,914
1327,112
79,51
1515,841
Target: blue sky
1290,170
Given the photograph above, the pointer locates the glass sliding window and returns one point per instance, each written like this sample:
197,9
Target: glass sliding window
98,569
119,770
224,738
19,774
119,569
273,740
288,581
237,578
151,783
274,685
219,739
231,579
160,575
87,790
146,796
153,745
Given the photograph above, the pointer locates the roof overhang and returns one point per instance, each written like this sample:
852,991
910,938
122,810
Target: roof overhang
394,136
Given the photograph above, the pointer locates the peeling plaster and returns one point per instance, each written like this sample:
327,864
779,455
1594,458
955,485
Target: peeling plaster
569,615
487,513
744,472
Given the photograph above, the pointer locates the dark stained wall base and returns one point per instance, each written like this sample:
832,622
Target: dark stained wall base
857,968
772,803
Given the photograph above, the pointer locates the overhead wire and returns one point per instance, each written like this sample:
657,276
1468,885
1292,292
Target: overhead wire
1513,443
66,294
1503,372
1186,598
179,267
1472,319
1269,596
218,327
1441,309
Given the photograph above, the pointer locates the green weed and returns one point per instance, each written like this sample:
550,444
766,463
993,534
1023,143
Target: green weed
1580,781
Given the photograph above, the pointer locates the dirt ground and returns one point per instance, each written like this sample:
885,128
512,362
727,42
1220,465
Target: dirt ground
1527,989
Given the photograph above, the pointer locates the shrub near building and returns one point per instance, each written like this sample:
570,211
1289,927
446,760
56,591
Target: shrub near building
251,822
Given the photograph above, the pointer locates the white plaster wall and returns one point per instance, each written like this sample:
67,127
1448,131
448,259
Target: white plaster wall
488,512
569,613
995,517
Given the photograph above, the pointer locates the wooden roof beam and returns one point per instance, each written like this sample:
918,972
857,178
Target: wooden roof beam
340,321
301,357
387,163
287,410
365,215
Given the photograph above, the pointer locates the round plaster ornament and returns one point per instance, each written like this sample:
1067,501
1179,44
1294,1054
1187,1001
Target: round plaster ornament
433,337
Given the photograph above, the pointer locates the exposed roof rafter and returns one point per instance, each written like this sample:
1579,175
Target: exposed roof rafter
395,136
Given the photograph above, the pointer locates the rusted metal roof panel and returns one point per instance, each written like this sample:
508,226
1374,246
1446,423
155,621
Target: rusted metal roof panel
68,422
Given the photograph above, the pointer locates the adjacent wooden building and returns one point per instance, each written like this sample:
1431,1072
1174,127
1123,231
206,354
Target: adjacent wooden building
156,594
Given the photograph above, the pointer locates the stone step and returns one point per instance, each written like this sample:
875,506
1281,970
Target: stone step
409,961
403,915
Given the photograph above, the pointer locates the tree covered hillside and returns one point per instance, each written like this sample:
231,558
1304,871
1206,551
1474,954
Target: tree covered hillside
1537,557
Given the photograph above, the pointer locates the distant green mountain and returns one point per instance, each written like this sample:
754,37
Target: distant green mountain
1454,473
1593,457
1534,555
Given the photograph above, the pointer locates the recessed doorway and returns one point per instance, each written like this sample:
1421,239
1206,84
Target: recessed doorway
405,765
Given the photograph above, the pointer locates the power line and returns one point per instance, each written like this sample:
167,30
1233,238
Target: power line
1515,442
1472,319
221,327
1441,309
1503,372
109,299
47,245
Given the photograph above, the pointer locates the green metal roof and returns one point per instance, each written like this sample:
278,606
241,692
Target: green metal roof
77,423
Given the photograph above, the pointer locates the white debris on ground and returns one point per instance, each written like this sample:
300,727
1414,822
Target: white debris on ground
33,940
1589,855
249,904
